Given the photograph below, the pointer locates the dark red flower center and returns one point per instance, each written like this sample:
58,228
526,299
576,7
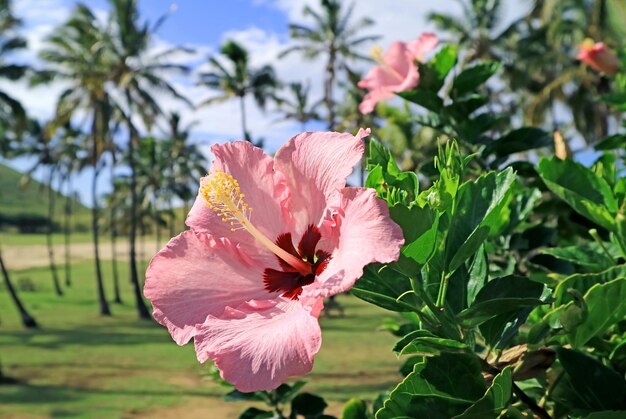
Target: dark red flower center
289,280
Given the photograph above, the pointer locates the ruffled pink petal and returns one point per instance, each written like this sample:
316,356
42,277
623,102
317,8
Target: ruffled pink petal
316,165
398,58
423,45
380,78
195,276
264,190
372,98
258,347
365,234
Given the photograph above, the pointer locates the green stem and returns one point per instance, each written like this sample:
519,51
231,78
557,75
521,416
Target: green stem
594,233
443,290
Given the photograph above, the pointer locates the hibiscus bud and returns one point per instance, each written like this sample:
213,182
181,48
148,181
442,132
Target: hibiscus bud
598,57
561,149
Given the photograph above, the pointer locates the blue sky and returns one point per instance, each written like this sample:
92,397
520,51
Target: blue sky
260,25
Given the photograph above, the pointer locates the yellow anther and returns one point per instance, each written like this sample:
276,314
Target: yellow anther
377,54
221,193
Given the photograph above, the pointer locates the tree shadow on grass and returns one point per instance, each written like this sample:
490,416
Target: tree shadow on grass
51,394
88,335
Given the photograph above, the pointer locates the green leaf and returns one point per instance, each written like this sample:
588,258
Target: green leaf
254,413
589,255
612,142
477,210
608,414
473,77
424,343
499,296
606,305
419,226
382,286
434,72
583,282
521,139
355,409
588,194
425,98
286,392
236,395
495,399
308,405
432,390
587,384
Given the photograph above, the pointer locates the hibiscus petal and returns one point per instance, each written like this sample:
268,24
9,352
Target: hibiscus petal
316,165
308,242
258,348
398,57
193,277
423,45
263,189
366,234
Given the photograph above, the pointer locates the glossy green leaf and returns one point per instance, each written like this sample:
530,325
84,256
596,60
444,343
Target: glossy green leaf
434,72
424,343
355,409
382,286
587,384
419,226
425,98
473,77
587,193
478,208
590,255
499,296
433,390
495,399
308,405
518,140
583,282
255,413
606,305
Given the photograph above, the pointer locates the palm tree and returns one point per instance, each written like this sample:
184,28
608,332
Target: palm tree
42,144
297,107
77,54
333,36
70,160
135,71
12,121
235,79
186,164
476,29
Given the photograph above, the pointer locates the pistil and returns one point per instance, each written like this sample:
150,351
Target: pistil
222,194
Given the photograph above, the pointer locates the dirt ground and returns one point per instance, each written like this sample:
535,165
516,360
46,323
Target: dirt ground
36,255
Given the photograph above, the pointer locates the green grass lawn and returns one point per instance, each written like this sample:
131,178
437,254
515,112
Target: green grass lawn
82,365
21,239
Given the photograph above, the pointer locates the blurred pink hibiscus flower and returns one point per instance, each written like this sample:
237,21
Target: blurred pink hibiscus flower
397,71
269,240
598,56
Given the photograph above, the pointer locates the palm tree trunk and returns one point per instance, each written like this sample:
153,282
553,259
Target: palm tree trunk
67,214
96,129
242,110
157,229
50,227
328,91
173,218
117,298
27,320
142,310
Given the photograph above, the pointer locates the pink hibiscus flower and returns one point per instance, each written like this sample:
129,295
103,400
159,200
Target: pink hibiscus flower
397,71
269,239
598,57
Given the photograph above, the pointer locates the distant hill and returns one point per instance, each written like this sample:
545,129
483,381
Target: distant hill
25,208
